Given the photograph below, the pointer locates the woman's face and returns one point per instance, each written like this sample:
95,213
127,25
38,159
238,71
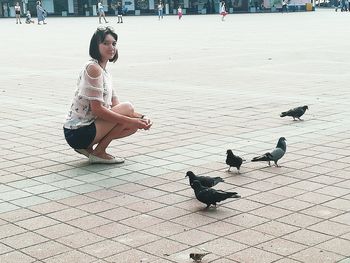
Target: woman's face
108,47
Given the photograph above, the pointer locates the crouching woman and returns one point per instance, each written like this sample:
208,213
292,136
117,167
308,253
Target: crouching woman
96,117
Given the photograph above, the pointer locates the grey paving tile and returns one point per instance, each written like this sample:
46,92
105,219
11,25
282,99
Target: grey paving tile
29,201
346,260
71,256
253,255
316,255
15,194
16,256
27,239
46,250
84,188
133,255
337,245
23,183
5,207
57,195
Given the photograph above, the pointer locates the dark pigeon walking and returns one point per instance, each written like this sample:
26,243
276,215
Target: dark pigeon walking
233,160
296,112
197,257
274,155
204,180
210,196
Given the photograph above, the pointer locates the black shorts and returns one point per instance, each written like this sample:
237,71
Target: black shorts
18,12
80,138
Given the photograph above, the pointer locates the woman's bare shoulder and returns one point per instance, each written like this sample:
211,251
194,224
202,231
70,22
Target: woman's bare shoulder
94,70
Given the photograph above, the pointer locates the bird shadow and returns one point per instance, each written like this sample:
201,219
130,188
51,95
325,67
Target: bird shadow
269,167
235,173
210,209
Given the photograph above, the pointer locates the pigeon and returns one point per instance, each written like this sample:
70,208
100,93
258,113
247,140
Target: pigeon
210,196
233,160
204,180
197,257
275,154
295,113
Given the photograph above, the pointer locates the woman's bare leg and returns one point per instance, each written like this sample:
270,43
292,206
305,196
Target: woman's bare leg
104,17
117,132
106,132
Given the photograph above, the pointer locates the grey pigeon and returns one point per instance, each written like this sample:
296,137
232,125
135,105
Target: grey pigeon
204,180
274,155
197,257
210,196
296,112
233,160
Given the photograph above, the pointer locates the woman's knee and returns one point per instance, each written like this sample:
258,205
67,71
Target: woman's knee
125,108
129,107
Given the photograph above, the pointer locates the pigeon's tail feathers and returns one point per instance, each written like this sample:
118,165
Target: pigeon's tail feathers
218,179
228,194
234,195
262,158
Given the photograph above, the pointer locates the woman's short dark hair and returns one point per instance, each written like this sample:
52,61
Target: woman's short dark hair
98,38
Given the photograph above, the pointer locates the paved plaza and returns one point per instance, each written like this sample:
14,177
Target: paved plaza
208,86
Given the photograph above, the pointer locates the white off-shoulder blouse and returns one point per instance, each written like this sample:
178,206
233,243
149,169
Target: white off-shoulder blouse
88,89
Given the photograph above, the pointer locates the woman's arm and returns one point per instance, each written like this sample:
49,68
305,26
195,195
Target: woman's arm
106,114
115,101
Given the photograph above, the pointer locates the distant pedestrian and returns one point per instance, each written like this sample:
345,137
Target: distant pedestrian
160,10
41,13
101,12
338,5
29,18
179,12
284,6
223,12
120,12
18,13
342,5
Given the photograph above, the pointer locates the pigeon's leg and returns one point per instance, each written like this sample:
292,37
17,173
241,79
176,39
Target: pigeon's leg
294,119
277,165
229,169
269,163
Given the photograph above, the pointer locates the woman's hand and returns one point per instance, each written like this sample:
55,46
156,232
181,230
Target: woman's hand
148,122
144,124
